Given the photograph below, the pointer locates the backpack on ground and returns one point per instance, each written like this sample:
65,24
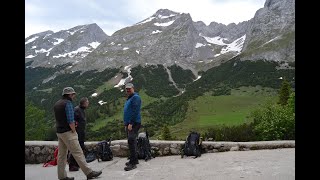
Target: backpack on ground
90,156
143,146
103,151
192,146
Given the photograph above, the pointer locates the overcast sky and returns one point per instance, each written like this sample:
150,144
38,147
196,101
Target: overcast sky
112,15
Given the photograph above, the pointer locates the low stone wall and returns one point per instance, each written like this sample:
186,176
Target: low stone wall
42,151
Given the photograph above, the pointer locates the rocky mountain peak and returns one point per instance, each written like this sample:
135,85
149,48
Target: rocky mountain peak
71,45
165,12
270,35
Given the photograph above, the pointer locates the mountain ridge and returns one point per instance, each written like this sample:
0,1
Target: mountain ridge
167,37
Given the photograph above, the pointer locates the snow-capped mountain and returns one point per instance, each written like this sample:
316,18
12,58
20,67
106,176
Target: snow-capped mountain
166,38
169,38
48,49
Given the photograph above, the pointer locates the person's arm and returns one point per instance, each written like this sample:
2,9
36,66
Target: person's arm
70,116
76,116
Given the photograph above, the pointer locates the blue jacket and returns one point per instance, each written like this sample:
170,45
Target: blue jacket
132,109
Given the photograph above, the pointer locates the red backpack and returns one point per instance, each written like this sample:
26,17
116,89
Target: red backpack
52,162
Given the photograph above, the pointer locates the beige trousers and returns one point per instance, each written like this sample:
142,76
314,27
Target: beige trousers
69,141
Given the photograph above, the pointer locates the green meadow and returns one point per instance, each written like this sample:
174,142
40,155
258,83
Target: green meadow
208,111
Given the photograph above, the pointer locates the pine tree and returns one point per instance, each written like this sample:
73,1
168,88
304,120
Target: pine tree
284,92
165,133
36,126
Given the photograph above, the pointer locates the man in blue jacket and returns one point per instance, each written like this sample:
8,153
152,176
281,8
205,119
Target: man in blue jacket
132,123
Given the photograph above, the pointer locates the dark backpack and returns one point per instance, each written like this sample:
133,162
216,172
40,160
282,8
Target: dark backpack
90,156
192,146
103,151
143,146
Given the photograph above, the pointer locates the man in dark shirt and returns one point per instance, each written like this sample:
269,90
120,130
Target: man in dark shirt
68,137
80,119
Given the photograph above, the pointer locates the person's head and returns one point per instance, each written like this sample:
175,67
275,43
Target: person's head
129,89
84,102
69,92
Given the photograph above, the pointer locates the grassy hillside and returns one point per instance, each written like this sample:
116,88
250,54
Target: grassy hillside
118,116
208,111
221,96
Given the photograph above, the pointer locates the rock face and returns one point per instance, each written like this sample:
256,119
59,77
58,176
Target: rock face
167,38
271,33
227,33
48,49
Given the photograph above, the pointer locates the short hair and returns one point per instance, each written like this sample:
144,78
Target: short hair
83,100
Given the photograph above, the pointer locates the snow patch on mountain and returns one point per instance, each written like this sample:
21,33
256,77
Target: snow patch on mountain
94,45
59,41
164,24
32,39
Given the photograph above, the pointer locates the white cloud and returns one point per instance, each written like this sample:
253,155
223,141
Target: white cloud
114,15
32,8
219,11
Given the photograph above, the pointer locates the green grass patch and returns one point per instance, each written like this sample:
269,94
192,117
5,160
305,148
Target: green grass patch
209,111
145,98
99,123
104,87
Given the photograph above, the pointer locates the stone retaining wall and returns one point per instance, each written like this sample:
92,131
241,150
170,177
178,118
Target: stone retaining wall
42,151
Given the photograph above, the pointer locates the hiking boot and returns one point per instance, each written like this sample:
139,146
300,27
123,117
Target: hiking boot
94,174
127,163
68,178
130,167
73,168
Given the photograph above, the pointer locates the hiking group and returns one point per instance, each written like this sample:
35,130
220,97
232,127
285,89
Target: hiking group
71,127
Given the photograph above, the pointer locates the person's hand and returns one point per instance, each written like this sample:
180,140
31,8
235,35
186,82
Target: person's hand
130,127
76,124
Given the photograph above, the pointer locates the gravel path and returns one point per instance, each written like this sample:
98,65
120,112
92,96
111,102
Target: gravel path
249,165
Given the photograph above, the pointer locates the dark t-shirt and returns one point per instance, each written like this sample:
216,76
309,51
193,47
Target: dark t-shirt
80,118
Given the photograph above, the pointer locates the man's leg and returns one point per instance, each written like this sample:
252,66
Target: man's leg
73,165
132,142
62,158
75,149
135,130
84,152
127,134
83,147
